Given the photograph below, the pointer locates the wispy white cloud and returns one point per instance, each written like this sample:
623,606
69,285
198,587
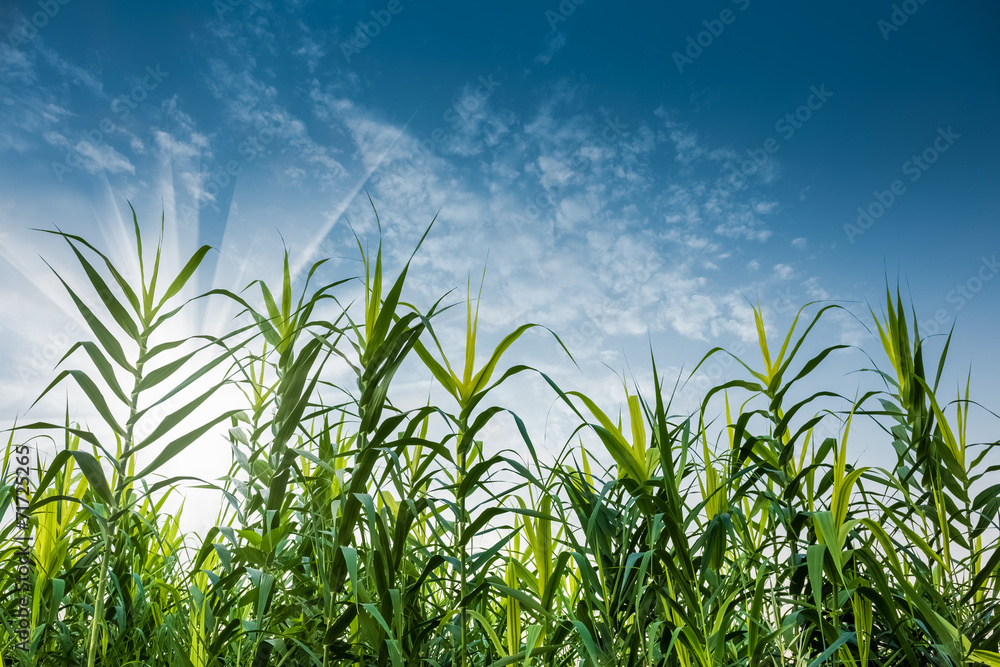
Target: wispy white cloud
311,51
554,43
562,195
71,73
783,271
99,157
253,109
475,122
687,142
562,214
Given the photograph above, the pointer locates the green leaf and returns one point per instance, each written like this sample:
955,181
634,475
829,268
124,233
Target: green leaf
103,367
173,419
104,337
175,447
89,466
832,648
185,274
92,392
482,378
117,311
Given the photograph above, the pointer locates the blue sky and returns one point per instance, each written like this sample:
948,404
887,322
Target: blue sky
634,172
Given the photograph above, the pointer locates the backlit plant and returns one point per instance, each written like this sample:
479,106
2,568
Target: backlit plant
355,532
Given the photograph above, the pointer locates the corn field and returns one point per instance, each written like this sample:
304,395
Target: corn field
354,532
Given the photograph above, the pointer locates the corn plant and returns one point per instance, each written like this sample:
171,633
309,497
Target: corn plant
353,530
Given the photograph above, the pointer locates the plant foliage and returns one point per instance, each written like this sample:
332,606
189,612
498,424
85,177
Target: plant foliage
353,532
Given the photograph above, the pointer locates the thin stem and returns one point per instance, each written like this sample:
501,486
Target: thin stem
112,528
99,602
460,529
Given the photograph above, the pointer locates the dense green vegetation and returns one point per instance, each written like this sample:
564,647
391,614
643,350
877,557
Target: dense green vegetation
360,534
